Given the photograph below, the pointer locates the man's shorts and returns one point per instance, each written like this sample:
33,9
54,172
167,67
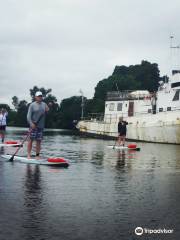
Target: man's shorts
2,128
36,134
122,134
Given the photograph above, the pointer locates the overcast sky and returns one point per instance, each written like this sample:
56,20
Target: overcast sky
68,45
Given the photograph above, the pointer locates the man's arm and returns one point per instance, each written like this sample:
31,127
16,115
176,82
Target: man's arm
126,123
29,115
46,108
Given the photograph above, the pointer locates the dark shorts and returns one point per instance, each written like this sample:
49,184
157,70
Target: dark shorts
36,134
2,128
122,134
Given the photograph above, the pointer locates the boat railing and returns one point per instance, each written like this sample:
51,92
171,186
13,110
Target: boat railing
128,95
94,117
112,118
168,109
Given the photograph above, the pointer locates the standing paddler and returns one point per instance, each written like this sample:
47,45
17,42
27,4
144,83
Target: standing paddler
36,119
3,123
122,130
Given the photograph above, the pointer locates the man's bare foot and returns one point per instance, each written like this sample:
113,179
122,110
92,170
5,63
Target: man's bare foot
37,156
29,156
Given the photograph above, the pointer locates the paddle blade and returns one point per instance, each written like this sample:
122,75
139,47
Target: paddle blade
11,158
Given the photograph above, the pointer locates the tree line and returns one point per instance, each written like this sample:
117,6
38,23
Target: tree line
144,76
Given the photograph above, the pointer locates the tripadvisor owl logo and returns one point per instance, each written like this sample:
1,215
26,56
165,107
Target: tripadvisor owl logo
139,231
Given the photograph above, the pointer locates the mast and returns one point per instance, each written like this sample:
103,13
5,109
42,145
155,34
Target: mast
82,104
174,56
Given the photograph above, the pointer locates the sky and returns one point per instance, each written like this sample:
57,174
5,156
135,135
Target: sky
68,45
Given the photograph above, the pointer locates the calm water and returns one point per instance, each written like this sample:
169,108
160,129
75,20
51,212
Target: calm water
104,194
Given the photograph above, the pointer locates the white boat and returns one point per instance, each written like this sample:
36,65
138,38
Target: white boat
151,117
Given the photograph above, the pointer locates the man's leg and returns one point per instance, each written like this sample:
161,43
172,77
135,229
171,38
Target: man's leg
2,133
38,148
2,137
123,140
119,140
29,148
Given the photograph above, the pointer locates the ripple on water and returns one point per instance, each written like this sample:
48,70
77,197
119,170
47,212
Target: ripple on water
104,194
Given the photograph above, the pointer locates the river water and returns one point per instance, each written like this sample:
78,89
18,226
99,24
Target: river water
104,194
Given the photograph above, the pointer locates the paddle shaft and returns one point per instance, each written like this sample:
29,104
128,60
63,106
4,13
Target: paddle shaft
115,143
28,134
116,140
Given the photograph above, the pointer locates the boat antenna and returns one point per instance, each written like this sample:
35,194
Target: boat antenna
171,45
82,104
118,91
175,48
171,40
117,88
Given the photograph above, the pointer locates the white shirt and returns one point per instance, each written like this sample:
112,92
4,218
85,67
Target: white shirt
3,119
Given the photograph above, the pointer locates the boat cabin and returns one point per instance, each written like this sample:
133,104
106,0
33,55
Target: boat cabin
140,102
127,104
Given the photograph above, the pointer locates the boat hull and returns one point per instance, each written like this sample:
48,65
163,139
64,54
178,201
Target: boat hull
161,128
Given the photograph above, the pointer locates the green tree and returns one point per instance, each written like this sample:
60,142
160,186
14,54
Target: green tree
52,118
144,76
21,117
15,102
70,110
5,106
44,91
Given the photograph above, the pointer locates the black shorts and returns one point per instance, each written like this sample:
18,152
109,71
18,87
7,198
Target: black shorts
3,128
121,134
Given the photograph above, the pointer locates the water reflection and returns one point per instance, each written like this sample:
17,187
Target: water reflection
121,157
97,158
103,195
34,214
2,151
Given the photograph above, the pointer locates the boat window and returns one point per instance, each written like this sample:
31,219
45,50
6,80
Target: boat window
119,107
176,96
160,109
168,108
111,106
177,84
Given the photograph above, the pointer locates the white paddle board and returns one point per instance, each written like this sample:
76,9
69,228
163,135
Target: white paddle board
60,162
10,144
123,147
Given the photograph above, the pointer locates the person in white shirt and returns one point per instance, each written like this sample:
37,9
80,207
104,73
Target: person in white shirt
3,123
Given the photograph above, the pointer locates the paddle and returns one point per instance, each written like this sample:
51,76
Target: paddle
114,144
28,133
